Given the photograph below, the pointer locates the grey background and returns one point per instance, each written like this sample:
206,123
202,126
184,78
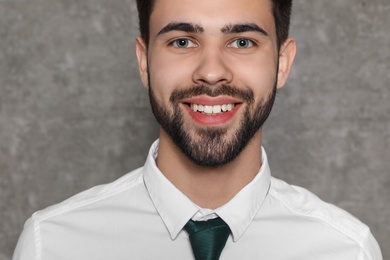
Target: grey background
73,113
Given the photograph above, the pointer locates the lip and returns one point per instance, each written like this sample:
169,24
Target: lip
211,120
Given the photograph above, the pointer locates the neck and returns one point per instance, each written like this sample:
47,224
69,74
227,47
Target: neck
209,187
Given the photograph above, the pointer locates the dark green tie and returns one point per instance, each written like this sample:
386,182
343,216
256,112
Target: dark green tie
208,238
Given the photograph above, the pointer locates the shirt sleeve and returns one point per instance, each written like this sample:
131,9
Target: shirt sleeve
26,246
371,249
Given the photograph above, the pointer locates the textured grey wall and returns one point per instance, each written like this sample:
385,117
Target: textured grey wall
73,113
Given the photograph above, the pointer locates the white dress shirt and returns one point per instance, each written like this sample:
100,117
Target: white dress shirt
141,216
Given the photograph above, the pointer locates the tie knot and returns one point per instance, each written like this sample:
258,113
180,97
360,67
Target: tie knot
197,226
207,238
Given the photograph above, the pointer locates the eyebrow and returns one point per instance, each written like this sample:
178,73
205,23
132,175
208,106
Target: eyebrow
183,27
244,27
228,29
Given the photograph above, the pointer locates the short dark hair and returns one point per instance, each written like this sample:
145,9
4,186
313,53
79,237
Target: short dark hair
281,10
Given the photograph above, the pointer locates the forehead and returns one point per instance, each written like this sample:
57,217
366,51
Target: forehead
212,14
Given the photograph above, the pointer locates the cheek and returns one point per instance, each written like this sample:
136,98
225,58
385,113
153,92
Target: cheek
257,73
168,74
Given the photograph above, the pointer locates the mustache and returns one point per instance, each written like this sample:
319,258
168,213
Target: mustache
197,90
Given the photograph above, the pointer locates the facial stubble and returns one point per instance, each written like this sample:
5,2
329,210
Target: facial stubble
210,146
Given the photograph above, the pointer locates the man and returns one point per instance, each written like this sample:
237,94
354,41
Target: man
212,69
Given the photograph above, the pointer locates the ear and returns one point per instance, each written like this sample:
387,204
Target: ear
142,58
286,58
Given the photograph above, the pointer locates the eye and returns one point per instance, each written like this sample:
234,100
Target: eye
242,43
182,43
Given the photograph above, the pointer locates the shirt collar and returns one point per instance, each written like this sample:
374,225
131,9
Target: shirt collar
173,206
176,209
239,212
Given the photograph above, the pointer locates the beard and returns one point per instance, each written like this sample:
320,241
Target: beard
210,147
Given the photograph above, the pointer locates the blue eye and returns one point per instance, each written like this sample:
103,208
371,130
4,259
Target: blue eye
183,43
242,43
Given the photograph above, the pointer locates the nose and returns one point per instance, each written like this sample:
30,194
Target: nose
212,68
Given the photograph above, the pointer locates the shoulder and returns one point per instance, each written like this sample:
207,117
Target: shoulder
303,203
83,212
94,195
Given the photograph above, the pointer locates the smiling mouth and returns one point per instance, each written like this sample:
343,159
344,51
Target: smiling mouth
212,110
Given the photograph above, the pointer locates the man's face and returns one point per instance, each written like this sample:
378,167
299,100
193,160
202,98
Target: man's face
211,68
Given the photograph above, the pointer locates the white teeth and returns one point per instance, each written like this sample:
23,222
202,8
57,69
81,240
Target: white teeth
208,109
216,109
212,110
